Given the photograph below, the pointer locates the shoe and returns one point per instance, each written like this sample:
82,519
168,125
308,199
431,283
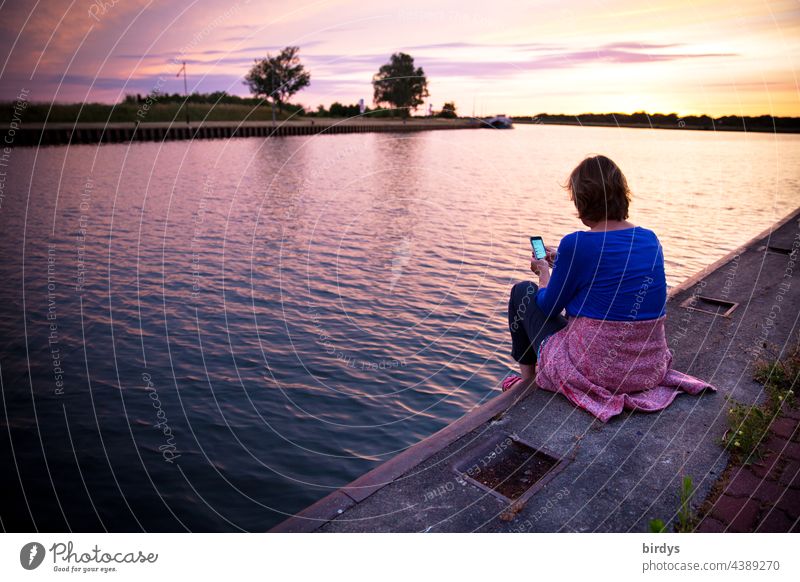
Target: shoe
510,381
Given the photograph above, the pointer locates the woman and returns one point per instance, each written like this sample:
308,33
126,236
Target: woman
610,352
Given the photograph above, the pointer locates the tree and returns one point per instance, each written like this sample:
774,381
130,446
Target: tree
448,110
339,110
399,84
278,77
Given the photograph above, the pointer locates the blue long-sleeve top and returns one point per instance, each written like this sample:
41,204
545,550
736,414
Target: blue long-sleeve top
616,275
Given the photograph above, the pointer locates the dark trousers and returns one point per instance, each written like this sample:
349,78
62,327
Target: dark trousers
528,324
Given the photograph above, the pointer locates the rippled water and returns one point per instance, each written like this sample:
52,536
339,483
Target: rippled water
293,311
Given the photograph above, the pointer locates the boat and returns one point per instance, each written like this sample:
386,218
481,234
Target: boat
501,121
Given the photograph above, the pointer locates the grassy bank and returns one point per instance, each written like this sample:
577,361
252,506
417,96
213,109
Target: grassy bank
164,112
129,112
100,113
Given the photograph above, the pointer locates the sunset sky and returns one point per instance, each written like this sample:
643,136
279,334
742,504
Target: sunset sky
509,56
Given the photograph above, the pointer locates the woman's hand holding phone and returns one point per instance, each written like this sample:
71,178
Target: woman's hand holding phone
542,259
540,251
539,265
551,255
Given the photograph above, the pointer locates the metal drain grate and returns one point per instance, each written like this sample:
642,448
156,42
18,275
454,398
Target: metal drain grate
711,305
779,250
509,468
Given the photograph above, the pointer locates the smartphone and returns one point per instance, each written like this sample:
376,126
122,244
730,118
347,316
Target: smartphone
538,247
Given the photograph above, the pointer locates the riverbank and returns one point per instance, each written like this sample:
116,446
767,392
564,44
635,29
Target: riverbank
708,127
36,134
606,477
763,124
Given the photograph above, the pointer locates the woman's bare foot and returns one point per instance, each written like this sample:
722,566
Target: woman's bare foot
525,380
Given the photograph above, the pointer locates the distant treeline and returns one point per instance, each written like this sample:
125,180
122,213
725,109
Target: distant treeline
337,109
223,98
672,121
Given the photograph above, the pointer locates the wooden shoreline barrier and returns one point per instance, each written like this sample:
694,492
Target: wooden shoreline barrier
65,133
